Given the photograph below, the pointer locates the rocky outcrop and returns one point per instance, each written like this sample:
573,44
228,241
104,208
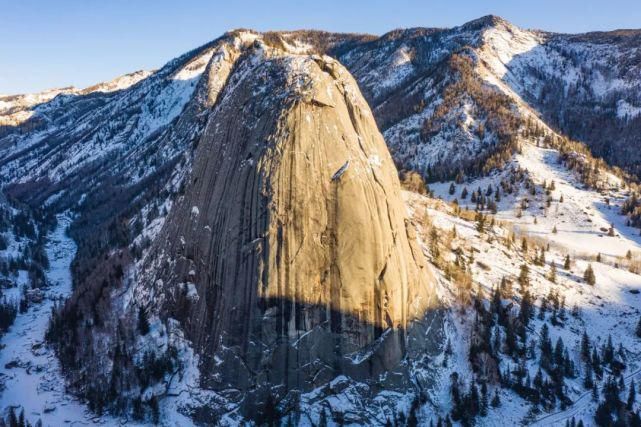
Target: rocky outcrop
290,259
281,247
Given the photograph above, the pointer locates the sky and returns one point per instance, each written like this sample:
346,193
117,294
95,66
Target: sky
46,44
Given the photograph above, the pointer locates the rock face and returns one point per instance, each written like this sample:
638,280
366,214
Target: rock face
290,260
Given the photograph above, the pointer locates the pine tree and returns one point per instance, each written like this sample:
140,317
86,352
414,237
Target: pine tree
546,347
457,410
434,244
589,276
526,313
585,346
452,189
638,329
558,352
538,379
484,400
566,264
621,352
412,419
496,400
155,410
588,380
464,193
631,396
608,351
322,422
474,400
524,279
143,322
543,308
554,230
553,273
596,363
13,420
496,345
480,222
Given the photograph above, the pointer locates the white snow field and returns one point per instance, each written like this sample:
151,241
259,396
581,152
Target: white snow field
29,371
611,307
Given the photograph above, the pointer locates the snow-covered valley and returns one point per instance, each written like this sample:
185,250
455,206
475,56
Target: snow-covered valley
29,371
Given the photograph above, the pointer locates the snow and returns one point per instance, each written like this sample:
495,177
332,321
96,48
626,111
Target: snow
35,383
400,68
627,111
611,307
508,56
580,219
505,44
143,105
17,109
30,371
296,46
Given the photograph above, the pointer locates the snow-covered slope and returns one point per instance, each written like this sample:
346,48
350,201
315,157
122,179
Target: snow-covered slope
583,224
587,86
432,108
406,75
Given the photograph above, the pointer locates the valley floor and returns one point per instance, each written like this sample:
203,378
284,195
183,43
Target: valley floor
30,371
30,376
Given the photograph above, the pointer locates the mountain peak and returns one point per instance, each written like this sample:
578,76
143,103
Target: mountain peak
486,22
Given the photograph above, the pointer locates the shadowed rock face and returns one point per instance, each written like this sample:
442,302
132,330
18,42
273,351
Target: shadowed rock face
294,235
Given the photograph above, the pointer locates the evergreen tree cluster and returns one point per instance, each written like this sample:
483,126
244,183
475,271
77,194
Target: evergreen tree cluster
613,410
18,420
8,313
471,403
632,209
483,199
